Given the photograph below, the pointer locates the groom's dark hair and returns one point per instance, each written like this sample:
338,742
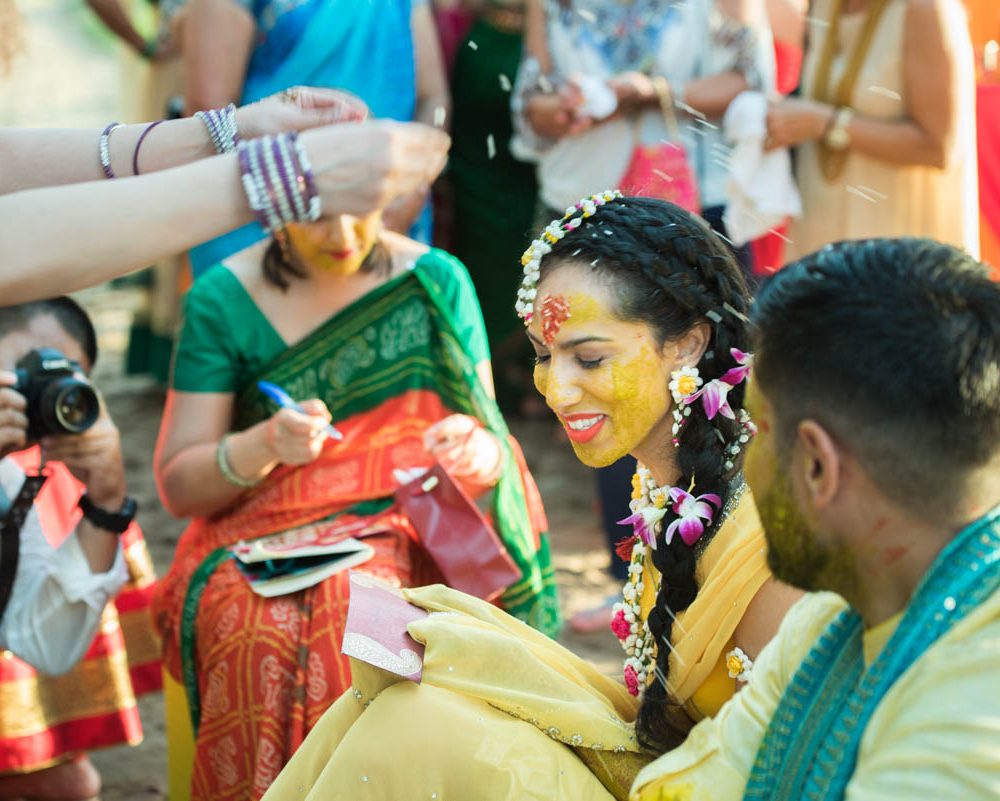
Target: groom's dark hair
894,346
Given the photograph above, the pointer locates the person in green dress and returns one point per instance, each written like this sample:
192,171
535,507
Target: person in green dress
384,337
493,193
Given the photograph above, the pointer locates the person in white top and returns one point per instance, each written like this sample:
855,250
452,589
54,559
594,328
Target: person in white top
58,594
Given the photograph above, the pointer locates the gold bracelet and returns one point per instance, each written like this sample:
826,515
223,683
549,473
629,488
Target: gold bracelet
230,475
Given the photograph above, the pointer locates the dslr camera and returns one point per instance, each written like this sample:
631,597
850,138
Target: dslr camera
60,399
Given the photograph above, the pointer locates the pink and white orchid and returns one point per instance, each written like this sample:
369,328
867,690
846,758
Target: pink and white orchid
714,394
644,523
738,374
714,398
690,511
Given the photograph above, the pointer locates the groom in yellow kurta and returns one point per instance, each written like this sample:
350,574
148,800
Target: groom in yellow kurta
877,384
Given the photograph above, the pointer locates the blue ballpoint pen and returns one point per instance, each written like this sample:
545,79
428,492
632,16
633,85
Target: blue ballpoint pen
284,400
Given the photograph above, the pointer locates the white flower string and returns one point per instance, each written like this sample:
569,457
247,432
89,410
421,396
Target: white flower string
748,430
541,247
684,382
648,505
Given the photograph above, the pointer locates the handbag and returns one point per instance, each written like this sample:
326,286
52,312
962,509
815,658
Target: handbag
457,535
662,170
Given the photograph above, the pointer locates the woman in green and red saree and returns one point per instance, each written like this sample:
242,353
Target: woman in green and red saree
386,339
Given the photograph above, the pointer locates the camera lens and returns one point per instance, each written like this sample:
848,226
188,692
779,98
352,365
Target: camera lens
67,406
76,408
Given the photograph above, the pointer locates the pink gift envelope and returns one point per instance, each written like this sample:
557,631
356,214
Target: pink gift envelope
377,616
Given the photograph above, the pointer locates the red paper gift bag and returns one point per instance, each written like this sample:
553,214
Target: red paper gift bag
457,535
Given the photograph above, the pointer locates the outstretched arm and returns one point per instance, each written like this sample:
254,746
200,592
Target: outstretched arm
46,157
61,239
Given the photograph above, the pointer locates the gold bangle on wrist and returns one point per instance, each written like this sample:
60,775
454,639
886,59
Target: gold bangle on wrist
230,475
838,135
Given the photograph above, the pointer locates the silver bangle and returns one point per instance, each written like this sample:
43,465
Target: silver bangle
270,206
221,125
104,149
222,460
287,165
283,202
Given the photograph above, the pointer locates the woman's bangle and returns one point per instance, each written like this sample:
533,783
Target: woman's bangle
104,149
221,125
138,144
230,475
278,181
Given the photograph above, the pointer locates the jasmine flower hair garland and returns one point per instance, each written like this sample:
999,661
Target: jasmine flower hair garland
541,247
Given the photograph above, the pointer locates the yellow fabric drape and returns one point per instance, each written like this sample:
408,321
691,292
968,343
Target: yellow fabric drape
506,710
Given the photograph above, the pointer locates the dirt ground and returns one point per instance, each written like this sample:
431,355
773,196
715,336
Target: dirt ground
69,74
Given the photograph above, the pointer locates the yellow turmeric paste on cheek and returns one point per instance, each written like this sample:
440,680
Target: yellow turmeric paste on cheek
541,378
633,394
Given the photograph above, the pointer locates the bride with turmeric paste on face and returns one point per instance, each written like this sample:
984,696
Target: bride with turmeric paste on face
383,338
636,312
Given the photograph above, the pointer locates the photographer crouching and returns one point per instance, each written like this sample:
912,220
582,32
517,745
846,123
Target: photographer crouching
68,547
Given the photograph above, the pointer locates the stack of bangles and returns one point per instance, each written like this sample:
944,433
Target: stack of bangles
221,125
278,181
275,171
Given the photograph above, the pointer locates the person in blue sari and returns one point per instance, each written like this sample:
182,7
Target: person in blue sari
385,52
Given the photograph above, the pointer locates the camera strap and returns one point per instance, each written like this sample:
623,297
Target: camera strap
10,535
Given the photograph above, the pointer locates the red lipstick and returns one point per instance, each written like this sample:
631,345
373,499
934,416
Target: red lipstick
583,435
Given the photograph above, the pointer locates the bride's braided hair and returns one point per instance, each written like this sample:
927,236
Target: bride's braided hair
672,272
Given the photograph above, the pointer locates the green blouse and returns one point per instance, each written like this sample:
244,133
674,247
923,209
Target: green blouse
226,340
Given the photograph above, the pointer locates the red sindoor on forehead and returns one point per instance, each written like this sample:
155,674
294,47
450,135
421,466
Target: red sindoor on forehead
555,312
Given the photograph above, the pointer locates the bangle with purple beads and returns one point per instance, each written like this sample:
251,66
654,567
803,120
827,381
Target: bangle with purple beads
250,185
280,190
283,157
278,181
306,178
221,125
271,213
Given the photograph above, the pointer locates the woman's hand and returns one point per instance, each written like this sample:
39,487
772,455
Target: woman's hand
795,120
94,457
466,450
401,213
634,90
298,109
555,116
295,438
362,168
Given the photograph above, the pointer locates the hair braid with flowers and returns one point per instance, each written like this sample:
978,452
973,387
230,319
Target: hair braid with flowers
672,272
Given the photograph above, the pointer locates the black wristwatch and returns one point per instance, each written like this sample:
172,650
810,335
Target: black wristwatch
115,522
